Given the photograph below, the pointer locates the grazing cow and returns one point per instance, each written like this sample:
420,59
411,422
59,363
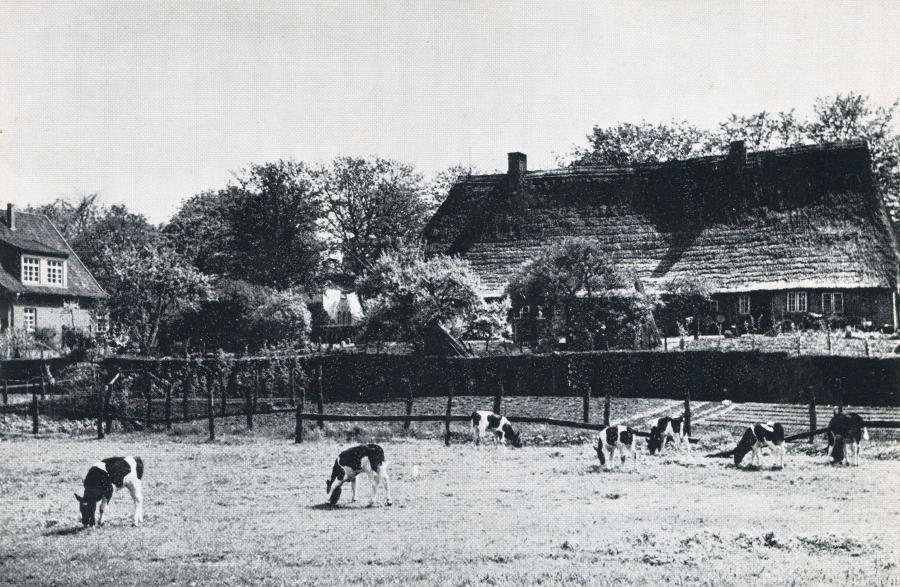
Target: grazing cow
665,429
611,438
101,480
365,458
844,430
757,437
483,422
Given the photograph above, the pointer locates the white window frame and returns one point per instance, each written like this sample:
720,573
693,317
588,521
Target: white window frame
102,319
744,304
43,271
834,303
796,302
50,267
29,319
31,263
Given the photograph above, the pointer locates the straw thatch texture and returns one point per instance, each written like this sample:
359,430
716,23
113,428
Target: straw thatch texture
806,218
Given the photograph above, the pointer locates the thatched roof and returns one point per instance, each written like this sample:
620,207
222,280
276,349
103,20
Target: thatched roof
805,217
35,234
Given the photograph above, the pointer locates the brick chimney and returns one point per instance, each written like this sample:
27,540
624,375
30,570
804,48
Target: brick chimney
10,217
737,152
518,164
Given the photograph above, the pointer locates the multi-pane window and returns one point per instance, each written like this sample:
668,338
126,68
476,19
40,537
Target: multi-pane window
29,320
796,301
54,272
42,271
31,270
102,322
833,303
744,304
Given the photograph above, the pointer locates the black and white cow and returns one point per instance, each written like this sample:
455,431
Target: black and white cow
103,478
612,438
483,422
757,437
668,428
844,430
365,458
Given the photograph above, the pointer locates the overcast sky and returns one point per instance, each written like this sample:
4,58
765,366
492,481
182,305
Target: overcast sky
149,103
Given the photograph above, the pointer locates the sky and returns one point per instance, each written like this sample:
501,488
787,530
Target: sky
150,103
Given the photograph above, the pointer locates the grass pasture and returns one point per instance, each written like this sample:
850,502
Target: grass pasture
249,510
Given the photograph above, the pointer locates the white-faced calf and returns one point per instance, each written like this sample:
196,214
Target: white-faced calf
665,429
103,478
846,431
756,438
621,438
365,458
484,422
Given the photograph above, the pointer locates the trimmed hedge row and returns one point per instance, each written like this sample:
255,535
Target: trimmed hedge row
707,375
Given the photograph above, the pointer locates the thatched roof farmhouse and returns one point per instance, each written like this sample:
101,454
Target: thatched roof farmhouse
775,232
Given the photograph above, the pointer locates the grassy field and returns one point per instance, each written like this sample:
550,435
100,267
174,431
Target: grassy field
248,510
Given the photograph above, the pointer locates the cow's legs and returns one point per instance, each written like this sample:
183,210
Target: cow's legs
103,503
134,488
383,474
353,490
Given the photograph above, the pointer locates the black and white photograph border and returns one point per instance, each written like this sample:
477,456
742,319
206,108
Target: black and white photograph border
300,292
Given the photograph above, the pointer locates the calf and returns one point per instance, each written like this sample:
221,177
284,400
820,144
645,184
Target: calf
365,458
668,428
757,437
622,438
844,430
101,480
483,422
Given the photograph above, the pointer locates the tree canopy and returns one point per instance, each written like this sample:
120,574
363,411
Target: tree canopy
405,293
370,206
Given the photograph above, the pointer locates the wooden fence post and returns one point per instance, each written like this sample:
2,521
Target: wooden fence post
5,392
210,406
223,389
606,409
687,411
449,412
291,383
498,397
812,414
169,406
188,379
149,391
409,401
298,427
320,400
99,395
586,403
248,403
867,347
34,410
107,409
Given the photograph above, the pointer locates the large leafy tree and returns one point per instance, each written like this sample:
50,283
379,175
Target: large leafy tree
580,288
370,206
200,231
272,218
262,229
406,293
149,286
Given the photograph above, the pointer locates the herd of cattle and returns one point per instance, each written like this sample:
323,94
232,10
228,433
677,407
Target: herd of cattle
845,433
